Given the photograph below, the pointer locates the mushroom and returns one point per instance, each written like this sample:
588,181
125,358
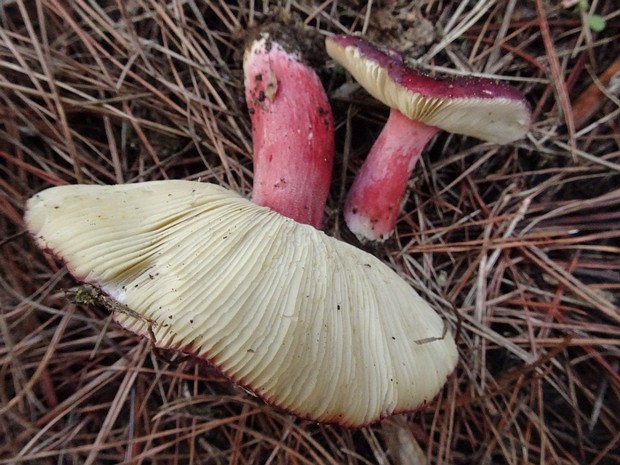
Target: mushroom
310,324
292,131
420,106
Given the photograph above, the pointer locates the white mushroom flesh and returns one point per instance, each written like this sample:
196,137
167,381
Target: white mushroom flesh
311,324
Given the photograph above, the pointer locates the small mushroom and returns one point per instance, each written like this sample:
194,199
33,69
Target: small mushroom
420,106
308,323
292,131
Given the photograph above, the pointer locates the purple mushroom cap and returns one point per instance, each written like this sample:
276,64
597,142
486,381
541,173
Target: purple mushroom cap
484,108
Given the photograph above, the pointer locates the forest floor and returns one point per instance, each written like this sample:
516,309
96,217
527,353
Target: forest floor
516,246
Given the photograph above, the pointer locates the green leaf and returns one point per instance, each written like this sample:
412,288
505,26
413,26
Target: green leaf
596,23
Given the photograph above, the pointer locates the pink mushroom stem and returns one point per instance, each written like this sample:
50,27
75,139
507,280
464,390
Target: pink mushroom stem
292,132
372,205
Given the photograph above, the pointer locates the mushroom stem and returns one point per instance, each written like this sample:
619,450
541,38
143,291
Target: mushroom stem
292,132
373,202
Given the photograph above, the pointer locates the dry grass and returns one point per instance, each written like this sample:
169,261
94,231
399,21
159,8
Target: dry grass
518,246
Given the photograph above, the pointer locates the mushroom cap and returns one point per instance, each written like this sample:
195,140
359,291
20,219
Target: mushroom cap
308,323
484,108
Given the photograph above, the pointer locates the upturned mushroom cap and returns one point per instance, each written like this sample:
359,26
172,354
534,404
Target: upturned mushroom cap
308,323
472,106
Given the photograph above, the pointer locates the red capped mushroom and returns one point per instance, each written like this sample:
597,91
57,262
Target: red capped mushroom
420,106
308,323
